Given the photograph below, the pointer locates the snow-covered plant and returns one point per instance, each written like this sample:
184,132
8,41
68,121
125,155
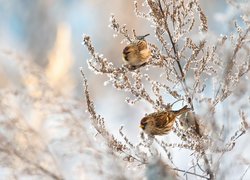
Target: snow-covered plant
193,66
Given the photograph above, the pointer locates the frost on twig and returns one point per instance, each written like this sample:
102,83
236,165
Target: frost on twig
185,67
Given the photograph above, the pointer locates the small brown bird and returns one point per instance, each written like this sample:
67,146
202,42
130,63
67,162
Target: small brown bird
137,52
160,123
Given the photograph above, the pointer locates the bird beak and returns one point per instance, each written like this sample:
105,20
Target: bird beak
141,126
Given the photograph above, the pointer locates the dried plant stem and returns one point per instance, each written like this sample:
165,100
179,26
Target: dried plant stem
229,69
12,151
98,123
248,167
208,167
183,81
187,172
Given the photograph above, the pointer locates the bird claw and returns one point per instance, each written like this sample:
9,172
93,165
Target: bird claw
132,68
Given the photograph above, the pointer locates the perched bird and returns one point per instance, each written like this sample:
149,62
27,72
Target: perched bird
137,52
160,123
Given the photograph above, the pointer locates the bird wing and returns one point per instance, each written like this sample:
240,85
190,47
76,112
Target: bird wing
141,45
181,111
162,119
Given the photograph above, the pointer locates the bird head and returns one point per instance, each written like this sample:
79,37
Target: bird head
145,122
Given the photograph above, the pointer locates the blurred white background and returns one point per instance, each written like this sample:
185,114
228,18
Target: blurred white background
49,33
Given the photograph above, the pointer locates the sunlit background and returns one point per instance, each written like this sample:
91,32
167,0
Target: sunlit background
50,34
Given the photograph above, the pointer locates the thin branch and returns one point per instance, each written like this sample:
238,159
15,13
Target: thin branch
38,166
187,172
248,167
185,87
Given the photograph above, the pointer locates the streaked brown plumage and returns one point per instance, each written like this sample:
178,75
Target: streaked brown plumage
160,123
137,53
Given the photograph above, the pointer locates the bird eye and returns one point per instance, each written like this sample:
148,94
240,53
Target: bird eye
126,50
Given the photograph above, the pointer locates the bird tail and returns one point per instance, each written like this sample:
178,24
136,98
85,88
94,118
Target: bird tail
182,110
142,37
